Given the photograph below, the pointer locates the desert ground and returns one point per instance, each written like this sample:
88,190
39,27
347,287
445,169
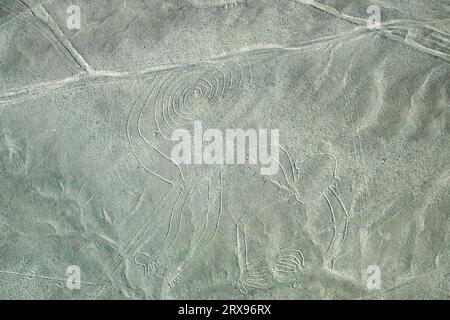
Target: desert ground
93,207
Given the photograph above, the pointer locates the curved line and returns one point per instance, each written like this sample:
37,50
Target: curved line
333,218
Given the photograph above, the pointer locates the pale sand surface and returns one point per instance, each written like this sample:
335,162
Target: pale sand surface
364,114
